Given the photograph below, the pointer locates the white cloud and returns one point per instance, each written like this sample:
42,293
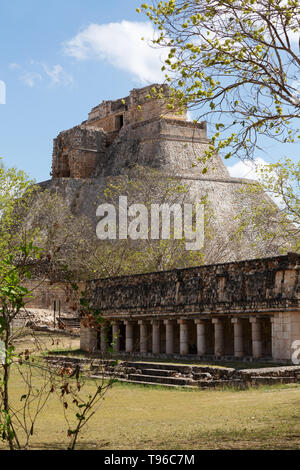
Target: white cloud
30,78
14,66
121,45
57,75
40,71
247,168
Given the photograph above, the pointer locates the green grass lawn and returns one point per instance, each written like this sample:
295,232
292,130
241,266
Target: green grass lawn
136,417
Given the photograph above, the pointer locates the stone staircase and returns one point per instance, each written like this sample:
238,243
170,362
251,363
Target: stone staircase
172,375
271,375
177,375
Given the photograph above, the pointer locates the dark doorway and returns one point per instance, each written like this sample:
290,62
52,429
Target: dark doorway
119,122
64,166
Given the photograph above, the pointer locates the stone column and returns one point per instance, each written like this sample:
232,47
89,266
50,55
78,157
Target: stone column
201,343
143,336
155,336
238,337
129,336
184,337
256,337
219,337
273,336
169,336
88,338
116,339
103,339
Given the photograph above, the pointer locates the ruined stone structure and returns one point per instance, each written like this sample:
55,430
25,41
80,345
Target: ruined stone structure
136,129
77,151
246,309
140,131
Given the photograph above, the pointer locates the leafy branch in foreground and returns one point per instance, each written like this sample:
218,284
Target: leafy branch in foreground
237,63
36,380
277,225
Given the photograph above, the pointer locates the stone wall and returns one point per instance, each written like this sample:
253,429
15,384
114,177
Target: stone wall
77,152
88,336
45,293
256,286
113,115
165,144
247,310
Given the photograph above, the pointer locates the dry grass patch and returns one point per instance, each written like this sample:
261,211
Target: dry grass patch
136,417
40,342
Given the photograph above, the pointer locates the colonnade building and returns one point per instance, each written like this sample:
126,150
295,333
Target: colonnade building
248,309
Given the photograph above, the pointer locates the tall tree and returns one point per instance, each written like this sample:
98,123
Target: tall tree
15,190
28,215
129,256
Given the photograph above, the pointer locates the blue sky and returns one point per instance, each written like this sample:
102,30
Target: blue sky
58,59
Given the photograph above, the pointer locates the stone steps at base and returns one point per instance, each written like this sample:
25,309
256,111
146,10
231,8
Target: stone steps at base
157,384
157,366
164,374
200,384
237,383
159,372
162,380
265,380
101,375
196,386
140,382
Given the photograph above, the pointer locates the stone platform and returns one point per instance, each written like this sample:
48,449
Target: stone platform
178,375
